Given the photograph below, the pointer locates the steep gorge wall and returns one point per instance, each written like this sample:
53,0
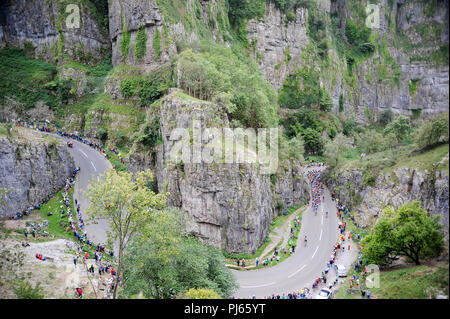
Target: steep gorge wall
31,170
39,26
231,205
402,75
166,24
395,188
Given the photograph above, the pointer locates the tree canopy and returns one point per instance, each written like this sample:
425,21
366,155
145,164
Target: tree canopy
408,231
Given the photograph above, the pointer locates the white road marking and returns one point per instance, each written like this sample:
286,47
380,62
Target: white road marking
321,234
322,219
84,153
93,166
315,252
249,287
296,271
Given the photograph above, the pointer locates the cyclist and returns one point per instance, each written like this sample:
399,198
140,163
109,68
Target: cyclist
306,240
326,214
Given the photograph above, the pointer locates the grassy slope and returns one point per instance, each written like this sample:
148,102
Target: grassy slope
417,282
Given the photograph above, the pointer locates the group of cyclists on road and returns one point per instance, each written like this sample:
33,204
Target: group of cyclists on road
317,197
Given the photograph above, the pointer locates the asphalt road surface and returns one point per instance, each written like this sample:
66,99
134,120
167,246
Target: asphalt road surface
305,265
298,271
92,164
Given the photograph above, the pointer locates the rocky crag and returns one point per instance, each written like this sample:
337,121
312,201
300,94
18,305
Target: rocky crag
46,30
402,185
32,169
232,205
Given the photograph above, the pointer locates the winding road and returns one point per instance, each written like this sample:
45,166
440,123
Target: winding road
305,265
92,164
298,271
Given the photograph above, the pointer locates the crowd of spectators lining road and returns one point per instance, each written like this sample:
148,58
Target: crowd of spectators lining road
342,210
104,268
50,127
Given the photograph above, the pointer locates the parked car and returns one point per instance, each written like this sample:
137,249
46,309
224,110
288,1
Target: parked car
324,293
341,270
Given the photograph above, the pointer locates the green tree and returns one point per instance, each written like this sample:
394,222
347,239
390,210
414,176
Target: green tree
163,262
334,148
408,231
127,204
325,103
201,293
370,141
313,141
349,127
296,148
432,132
401,127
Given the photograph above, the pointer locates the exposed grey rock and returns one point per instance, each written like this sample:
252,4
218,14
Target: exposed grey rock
394,189
31,170
231,205
274,39
41,23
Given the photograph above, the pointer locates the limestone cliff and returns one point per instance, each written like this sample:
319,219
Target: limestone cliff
156,27
278,45
32,168
393,188
232,205
40,27
406,73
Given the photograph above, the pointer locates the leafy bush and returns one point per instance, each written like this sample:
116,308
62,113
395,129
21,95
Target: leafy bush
313,141
432,132
102,134
24,290
302,119
148,88
401,127
25,79
370,141
386,117
150,134
358,35
349,127
216,70
301,89
201,293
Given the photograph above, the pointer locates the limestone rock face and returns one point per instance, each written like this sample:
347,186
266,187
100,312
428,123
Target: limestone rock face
162,27
275,40
394,189
31,170
278,47
231,205
40,27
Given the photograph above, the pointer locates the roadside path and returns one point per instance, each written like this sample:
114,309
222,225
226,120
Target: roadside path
276,235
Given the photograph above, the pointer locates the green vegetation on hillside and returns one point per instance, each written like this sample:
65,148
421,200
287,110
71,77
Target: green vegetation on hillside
24,79
218,74
408,231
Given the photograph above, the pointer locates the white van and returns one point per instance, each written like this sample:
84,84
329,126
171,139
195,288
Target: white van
341,270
